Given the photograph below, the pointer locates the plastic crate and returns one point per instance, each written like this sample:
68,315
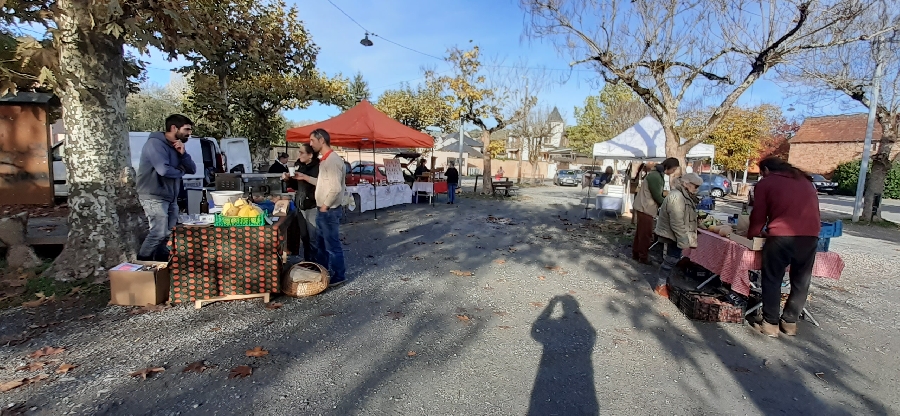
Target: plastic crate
257,221
831,229
824,243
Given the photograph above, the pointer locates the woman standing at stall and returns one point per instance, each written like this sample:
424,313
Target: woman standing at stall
787,205
305,199
677,227
646,206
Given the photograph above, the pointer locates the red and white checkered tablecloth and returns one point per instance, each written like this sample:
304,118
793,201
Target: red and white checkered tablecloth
733,261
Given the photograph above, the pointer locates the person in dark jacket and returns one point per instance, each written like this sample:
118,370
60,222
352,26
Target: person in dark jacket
786,213
452,182
164,162
305,200
280,165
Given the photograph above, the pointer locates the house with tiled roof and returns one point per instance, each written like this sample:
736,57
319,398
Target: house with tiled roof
823,143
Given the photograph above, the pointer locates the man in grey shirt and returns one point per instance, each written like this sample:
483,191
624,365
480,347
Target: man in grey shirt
163,163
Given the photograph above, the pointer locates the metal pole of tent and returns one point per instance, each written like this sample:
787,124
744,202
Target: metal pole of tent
587,199
375,179
359,161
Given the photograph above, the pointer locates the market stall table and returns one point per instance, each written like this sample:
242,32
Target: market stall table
223,263
732,262
429,188
387,196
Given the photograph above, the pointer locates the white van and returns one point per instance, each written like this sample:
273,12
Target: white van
232,154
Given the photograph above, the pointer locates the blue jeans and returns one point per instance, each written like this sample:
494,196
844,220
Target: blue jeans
162,216
329,251
451,192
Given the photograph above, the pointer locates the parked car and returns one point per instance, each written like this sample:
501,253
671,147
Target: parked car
824,185
565,177
751,192
366,170
716,186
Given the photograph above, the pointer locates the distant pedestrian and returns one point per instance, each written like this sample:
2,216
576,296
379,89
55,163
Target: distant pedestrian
163,163
452,182
329,193
500,173
280,165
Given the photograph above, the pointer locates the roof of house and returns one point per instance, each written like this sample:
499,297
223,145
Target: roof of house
467,140
846,128
454,148
555,117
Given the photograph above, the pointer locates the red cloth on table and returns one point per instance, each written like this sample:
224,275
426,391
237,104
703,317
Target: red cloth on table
733,261
440,187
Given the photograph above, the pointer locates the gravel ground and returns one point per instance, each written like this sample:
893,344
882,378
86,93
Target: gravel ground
556,319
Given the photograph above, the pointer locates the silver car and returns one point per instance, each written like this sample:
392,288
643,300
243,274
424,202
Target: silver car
567,177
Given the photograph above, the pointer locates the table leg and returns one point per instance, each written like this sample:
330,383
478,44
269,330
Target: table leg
808,315
753,309
711,278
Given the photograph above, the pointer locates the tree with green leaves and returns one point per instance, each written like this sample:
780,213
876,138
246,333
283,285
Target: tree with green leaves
420,108
489,101
604,116
357,91
90,74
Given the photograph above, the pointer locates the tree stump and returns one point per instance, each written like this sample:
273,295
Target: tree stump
12,234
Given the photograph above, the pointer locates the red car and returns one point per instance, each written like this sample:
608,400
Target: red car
367,171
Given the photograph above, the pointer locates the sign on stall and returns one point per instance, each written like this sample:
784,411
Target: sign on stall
393,170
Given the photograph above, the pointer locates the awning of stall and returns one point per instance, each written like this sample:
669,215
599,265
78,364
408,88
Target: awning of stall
364,127
644,140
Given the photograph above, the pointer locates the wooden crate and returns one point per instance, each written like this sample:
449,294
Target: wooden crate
703,307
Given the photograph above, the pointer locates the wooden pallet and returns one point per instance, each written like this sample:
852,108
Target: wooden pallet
200,302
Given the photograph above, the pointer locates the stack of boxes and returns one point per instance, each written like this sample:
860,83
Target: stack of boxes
829,230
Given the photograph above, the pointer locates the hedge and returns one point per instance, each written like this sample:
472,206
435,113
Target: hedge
847,175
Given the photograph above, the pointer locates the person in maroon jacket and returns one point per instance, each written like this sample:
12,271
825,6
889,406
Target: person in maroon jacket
786,213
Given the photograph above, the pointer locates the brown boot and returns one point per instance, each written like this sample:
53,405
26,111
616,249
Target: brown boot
767,329
788,328
662,290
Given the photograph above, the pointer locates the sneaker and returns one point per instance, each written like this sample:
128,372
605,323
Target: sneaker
662,290
789,329
449,203
767,329
337,283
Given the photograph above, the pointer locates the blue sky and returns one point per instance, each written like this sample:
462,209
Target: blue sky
432,27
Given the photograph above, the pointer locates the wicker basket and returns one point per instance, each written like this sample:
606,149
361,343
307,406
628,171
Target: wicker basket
301,281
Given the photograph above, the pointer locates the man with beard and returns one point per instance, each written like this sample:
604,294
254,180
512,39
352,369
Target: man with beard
163,163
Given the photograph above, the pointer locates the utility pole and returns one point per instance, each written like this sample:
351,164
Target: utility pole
459,162
870,127
524,133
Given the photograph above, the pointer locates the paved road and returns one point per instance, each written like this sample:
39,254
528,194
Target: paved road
890,208
554,320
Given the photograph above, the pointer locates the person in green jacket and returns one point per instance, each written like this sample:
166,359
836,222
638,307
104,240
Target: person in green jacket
646,206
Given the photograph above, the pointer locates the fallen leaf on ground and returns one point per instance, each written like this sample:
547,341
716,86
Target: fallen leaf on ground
327,313
149,371
395,315
196,367
411,354
274,305
462,273
439,242
86,317
149,308
499,261
214,329
488,287
33,366
240,371
46,351
546,237
664,314
542,277
462,318
767,363
512,249
460,310
405,279
536,304
257,352
741,369
418,258
451,235
470,235
821,376
9,385
572,292
65,368
500,313
504,327
34,303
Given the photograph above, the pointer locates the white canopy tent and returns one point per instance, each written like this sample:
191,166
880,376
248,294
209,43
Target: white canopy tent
645,140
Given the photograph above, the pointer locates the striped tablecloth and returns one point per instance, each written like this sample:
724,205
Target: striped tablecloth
733,262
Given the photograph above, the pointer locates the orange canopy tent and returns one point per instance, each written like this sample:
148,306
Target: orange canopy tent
364,127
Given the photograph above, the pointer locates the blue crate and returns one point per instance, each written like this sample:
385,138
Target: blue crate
824,243
831,229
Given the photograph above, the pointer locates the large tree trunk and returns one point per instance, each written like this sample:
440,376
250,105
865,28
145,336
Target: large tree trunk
675,149
106,221
487,185
881,166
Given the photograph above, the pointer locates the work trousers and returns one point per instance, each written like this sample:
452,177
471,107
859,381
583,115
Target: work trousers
643,237
777,254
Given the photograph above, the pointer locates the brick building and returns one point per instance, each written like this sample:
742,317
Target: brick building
823,143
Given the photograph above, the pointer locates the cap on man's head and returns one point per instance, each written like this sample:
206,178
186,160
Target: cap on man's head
692,178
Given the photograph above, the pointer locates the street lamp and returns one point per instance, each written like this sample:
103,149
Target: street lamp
365,41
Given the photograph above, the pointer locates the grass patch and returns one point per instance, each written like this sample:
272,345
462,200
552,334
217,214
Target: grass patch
890,225
17,287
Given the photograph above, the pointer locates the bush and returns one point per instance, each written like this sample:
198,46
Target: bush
847,175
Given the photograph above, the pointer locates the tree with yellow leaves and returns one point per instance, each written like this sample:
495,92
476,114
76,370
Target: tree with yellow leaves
420,108
489,101
739,136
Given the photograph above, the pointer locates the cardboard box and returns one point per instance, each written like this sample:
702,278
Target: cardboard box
130,288
756,244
